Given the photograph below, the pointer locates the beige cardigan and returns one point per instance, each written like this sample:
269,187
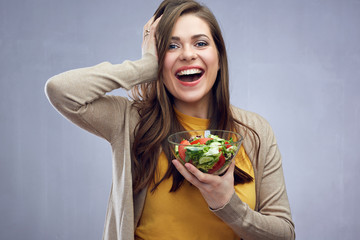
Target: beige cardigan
80,95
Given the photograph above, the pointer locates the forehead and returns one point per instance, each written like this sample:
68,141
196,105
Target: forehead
189,25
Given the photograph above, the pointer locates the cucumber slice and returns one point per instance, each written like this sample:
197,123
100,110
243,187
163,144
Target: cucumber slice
205,160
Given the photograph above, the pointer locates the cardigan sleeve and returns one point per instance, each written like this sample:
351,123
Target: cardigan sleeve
273,218
80,94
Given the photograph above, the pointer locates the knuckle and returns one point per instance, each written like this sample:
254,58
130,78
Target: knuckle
201,178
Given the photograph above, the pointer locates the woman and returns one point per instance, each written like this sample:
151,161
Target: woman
181,82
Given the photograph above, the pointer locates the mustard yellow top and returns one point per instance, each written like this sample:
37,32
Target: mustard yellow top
184,214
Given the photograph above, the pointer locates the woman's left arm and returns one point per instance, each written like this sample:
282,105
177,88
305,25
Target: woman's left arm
273,219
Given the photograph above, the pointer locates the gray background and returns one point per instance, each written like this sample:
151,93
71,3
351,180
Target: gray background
297,63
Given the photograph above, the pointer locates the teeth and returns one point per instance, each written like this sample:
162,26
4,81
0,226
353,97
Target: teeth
189,72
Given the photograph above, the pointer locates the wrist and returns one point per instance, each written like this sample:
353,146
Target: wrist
217,205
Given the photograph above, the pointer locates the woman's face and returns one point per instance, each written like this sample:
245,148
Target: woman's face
191,62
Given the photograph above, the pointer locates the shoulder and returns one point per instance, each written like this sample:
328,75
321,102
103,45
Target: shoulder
263,139
252,120
261,135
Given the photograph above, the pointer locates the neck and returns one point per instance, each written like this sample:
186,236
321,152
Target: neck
198,109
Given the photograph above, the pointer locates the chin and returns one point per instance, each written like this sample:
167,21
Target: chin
193,97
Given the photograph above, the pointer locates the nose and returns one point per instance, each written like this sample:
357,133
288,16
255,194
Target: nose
188,53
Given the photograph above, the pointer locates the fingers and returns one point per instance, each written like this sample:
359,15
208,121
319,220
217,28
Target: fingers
189,171
194,175
150,27
202,177
147,27
148,45
156,22
148,24
187,174
230,170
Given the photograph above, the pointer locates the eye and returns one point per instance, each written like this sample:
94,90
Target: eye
173,46
201,44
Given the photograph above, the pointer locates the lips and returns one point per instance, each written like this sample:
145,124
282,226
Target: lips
189,75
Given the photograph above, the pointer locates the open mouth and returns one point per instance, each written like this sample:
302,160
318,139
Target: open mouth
189,75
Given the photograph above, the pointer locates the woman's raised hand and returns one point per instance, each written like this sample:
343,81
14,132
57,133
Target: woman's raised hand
216,190
149,42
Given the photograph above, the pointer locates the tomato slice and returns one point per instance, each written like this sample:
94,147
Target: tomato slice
202,141
218,165
182,150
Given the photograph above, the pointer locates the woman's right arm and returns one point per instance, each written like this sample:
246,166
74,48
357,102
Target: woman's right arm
80,94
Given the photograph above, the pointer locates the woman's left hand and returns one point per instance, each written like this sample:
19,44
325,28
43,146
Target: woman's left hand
216,190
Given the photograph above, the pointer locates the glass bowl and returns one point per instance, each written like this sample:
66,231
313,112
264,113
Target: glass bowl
211,151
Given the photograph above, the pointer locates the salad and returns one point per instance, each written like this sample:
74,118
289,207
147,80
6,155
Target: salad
208,154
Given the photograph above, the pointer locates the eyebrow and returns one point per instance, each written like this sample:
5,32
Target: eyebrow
192,37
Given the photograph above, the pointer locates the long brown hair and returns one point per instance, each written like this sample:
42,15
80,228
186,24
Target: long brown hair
155,104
